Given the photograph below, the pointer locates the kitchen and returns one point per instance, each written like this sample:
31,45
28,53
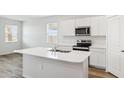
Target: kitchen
91,35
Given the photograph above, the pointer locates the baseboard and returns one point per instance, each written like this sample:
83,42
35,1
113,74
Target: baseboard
99,67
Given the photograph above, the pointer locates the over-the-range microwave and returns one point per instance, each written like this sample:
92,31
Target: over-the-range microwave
82,31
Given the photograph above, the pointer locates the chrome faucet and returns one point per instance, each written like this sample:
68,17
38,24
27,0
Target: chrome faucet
54,48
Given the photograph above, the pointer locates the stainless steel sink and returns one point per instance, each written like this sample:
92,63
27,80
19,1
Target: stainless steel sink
57,50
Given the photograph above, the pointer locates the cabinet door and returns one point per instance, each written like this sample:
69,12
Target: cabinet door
102,26
94,26
98,26
67,27
94,58
82,22
98,58
101,58
32,66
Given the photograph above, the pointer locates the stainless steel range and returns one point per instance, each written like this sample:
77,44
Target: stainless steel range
82,45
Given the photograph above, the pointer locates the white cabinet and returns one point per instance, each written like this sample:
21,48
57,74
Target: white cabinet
98,26
67,27
94,25
102,26
39,67
82,22
98,57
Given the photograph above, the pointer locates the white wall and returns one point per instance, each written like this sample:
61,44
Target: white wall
5,47
34,33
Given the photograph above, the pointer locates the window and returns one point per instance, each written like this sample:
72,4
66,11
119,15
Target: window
11,33
52,32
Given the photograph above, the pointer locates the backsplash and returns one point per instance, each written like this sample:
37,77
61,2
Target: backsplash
96,40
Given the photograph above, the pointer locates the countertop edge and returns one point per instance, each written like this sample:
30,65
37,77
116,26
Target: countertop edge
53,58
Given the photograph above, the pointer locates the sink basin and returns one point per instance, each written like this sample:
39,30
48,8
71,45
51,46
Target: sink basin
62,51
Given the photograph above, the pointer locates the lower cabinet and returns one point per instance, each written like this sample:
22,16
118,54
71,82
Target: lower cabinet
41,67
98,58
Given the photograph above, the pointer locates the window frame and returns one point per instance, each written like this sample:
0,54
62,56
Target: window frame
5,34
56,35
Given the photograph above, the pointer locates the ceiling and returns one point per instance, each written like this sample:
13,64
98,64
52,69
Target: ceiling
31,17
23,17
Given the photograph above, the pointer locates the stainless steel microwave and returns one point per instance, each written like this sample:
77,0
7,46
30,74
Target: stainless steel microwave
82,31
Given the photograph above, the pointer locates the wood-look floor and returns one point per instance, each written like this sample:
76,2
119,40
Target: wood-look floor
11,67
99,73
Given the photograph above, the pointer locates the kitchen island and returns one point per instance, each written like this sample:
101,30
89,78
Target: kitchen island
43,63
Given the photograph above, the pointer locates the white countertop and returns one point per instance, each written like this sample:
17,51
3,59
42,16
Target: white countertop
73,56
98,46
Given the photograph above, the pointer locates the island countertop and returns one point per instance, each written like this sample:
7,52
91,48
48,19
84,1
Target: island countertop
73,56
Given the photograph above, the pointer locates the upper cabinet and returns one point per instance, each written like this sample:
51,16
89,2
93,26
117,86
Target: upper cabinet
82,22
94,26
98,26
103,26
67,27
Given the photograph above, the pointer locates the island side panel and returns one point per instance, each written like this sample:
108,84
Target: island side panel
38,67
